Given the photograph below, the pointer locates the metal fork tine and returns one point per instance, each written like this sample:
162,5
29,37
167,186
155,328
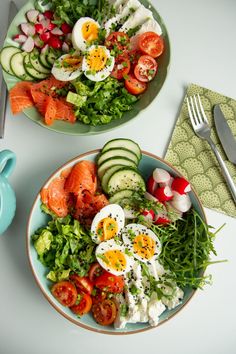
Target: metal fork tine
195,117
202,110
200,119
190,113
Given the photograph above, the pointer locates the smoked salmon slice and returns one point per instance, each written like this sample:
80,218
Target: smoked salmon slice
20,97
82,176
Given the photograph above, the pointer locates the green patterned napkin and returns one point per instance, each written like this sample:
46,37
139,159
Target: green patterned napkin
194,158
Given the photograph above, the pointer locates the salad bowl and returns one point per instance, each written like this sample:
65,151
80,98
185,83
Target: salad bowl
78,128
39,219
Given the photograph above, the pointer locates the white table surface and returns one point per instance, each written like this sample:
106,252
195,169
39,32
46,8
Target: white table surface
202,35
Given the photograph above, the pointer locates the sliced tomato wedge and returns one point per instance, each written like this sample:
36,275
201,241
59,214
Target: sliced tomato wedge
134,56
94,271
151,43
82,283
65,292
110,283
83,304
146,68
98,296
118,41
134,86
104,312
121,67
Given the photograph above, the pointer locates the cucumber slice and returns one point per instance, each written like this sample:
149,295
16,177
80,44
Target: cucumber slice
123,143
5,58
34,59
43,60
17,66
120,152
126,178
108,174
31,70
51,56
121,196
114,161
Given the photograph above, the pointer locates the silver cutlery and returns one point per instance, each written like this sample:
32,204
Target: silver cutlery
3,93
202,129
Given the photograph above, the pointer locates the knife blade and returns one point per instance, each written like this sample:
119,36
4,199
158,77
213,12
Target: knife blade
3,91
225,134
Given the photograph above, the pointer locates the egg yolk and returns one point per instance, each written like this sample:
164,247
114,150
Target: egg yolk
72,62
89,31
115,260
144,246
107,229
97,59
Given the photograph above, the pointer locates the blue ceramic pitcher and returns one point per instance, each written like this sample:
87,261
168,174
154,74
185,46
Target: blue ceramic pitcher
7,195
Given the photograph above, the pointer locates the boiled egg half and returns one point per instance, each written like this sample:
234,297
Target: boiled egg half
107,223
67,67
97,63
141,242
84,32
113,257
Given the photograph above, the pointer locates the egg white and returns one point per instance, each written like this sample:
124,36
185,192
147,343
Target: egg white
78,40
112,245
113,211
98,75
133,230
65,73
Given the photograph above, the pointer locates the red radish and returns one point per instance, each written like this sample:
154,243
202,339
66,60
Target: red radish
160,220
68,37
39,28
168,183
57,32
181,202
66,28
28,46
37,41
148,214
163,194
149,196
45,23
65,47
51,26
44,49
48,14
28,29
45,36
32,15
161,176
181,185
41,17
151,185
20,38
55,42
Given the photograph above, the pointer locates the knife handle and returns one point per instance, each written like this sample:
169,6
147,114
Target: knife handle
225,171
3,98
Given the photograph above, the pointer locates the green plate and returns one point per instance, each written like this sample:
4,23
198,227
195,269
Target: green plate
80,128
38,219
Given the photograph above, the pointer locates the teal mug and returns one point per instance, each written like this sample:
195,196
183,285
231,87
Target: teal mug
7,195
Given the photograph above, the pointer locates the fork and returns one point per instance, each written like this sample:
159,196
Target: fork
202,129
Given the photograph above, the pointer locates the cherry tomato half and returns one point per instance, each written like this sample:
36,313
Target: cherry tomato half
82,283
104,312
134,86
83,306
121,67
98,296
151,43
110,283
65,292
117,40
146,68
94,271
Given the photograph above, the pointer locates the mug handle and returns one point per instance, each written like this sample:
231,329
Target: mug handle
7,162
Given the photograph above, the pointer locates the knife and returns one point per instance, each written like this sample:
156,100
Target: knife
226,137
3,91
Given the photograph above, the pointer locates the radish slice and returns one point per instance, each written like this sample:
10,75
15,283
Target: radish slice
129,213
151,185
148,214
68,37
181,185
161,176
65,47
28,29
181,202
32,15
45,23
41,17
168,183
28,46
20,38
57,32
44,49
149,196
161,218
163,194
38,42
